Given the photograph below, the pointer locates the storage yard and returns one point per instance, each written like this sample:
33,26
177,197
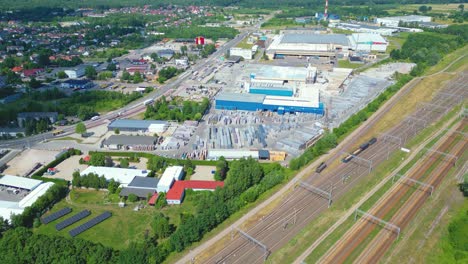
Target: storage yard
302,204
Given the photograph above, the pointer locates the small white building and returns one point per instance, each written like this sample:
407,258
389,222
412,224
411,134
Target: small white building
19,182
123,176
75,73
171,174
244,53
158,127
231,154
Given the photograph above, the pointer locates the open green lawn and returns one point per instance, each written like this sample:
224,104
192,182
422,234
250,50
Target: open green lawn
348,64
123,227
244,45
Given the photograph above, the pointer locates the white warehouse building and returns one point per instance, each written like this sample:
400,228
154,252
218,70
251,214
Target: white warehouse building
394,21
171,174
123,176
244,53
34,189
368,42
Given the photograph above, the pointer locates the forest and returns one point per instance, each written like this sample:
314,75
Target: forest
176,109
428,48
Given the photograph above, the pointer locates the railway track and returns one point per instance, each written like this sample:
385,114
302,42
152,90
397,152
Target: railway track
300,206
361,230
404,215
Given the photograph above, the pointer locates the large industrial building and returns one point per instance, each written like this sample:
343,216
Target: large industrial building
326,45
395,21
364,28
323,45
136,143
276,89
130,125
20,192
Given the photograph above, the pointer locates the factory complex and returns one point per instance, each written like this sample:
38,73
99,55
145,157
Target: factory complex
324,45
276,89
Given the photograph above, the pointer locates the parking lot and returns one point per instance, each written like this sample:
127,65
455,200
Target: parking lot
27,160
203,173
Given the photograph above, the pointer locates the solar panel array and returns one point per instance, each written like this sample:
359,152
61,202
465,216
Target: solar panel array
72,220
98,219
56,215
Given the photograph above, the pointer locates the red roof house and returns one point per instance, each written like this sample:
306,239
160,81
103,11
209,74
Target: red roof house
176,194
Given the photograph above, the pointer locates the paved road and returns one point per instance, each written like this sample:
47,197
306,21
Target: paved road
131,109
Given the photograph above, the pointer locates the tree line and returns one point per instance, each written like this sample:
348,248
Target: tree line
84,105
175,109
428,48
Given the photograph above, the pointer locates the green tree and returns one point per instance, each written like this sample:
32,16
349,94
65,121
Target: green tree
80,128
33,83
62,75
161,226
112,186
116,131
137,77
161,202
97,159
124,163
221,169
132,198
461,7
111,67
126,76
90,72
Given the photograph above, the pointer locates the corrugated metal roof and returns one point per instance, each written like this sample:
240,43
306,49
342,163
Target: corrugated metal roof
238,97
124,176
232,153
19,182
140,192
136,124
35,194
340,39
130,140
144,182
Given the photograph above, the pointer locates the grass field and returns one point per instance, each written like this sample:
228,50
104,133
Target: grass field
123,227
348,64
70,138
436,8
244,45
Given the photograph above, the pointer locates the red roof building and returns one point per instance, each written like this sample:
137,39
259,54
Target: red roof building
17,69
153,199
176,194
32,72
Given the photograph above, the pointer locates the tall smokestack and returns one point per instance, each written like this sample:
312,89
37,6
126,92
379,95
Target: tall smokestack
325,14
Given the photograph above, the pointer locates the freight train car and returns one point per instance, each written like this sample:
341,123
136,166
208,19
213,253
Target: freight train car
358,151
